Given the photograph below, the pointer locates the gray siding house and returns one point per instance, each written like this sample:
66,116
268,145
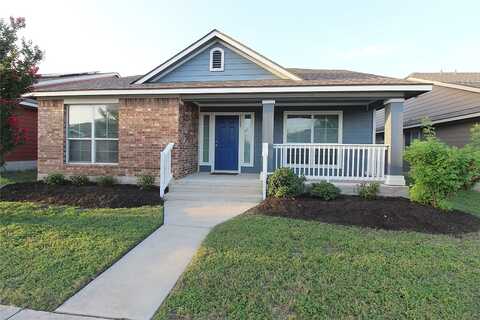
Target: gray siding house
453,106
220,107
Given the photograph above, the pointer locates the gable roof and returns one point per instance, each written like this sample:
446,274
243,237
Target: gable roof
469,81
239,47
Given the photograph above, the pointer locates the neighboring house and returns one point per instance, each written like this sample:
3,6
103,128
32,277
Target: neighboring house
453,106
225,108
24,156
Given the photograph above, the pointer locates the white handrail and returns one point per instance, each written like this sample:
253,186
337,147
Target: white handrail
264,169
327,161
165,168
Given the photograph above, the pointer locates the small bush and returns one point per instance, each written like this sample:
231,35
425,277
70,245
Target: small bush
324,190
80,180
106,181
55,179
368,191
285,183
146,181
439,171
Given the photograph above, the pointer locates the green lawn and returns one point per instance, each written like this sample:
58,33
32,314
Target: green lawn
467,201
48,253
17,176
258,267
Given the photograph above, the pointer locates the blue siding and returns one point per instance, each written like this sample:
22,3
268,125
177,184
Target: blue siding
357,127
198,69
357,123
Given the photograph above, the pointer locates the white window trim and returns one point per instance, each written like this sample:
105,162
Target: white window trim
313,113
211,141
242,140
93,140
222,60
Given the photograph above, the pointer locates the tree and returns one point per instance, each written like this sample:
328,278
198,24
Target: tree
475,136
18,72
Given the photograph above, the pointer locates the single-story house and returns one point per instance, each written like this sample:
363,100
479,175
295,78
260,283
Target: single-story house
453,106
226,109
24,156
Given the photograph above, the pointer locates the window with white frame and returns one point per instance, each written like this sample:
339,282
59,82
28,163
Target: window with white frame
92,134
317,127
205,131
217,59
247,127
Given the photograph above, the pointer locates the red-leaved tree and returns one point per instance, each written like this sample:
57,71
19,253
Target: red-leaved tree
18,72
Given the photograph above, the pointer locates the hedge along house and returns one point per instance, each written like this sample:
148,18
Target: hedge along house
226,109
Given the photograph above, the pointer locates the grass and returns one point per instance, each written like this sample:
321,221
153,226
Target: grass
17,176
467,201
258,267
48,253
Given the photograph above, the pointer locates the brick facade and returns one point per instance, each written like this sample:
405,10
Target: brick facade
146,126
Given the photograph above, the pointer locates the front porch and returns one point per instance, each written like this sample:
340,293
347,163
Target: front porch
321,136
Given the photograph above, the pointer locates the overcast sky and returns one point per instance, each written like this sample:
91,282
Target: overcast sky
391,38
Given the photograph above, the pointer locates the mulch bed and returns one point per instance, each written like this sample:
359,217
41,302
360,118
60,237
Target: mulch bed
382,213
90,196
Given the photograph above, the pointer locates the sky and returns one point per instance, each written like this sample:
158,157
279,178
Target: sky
392,38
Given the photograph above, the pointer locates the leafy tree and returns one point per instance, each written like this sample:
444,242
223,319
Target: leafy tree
18,71
427,128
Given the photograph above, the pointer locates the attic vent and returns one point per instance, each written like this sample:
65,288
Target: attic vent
216,59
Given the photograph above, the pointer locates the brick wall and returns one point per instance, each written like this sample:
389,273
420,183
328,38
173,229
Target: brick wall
146,126
27,119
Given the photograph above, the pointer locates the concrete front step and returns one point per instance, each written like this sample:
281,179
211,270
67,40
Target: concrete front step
214,188
216,197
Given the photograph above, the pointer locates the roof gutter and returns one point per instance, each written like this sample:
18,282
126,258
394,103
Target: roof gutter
447,85
232,90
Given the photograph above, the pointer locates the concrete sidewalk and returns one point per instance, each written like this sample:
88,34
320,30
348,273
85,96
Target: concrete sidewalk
135,286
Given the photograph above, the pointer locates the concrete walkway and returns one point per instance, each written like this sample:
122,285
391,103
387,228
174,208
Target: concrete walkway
135,286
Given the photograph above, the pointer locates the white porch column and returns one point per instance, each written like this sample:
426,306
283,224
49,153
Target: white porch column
267,128
394,138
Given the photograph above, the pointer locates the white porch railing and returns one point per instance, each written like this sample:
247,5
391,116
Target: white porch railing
365,162
165,168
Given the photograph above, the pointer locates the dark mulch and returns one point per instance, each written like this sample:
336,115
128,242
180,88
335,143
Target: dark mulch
91,196
382,213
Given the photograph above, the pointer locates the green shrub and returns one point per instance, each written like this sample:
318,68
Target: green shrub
106,181
79,180
368,191
55,179
324,190
145,181
439,171
285,183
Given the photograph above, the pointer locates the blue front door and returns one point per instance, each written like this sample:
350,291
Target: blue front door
226,143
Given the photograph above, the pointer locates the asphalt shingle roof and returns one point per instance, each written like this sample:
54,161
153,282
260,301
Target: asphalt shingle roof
470,79
311,77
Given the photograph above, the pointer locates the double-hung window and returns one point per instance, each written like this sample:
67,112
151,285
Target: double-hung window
323,127
307,127
92,134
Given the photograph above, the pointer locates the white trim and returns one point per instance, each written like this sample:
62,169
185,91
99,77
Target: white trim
396,100
447,85
87,100
222,60
287,89
31,104
242,140
312,113
92,139
268,102
210,138
216,34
